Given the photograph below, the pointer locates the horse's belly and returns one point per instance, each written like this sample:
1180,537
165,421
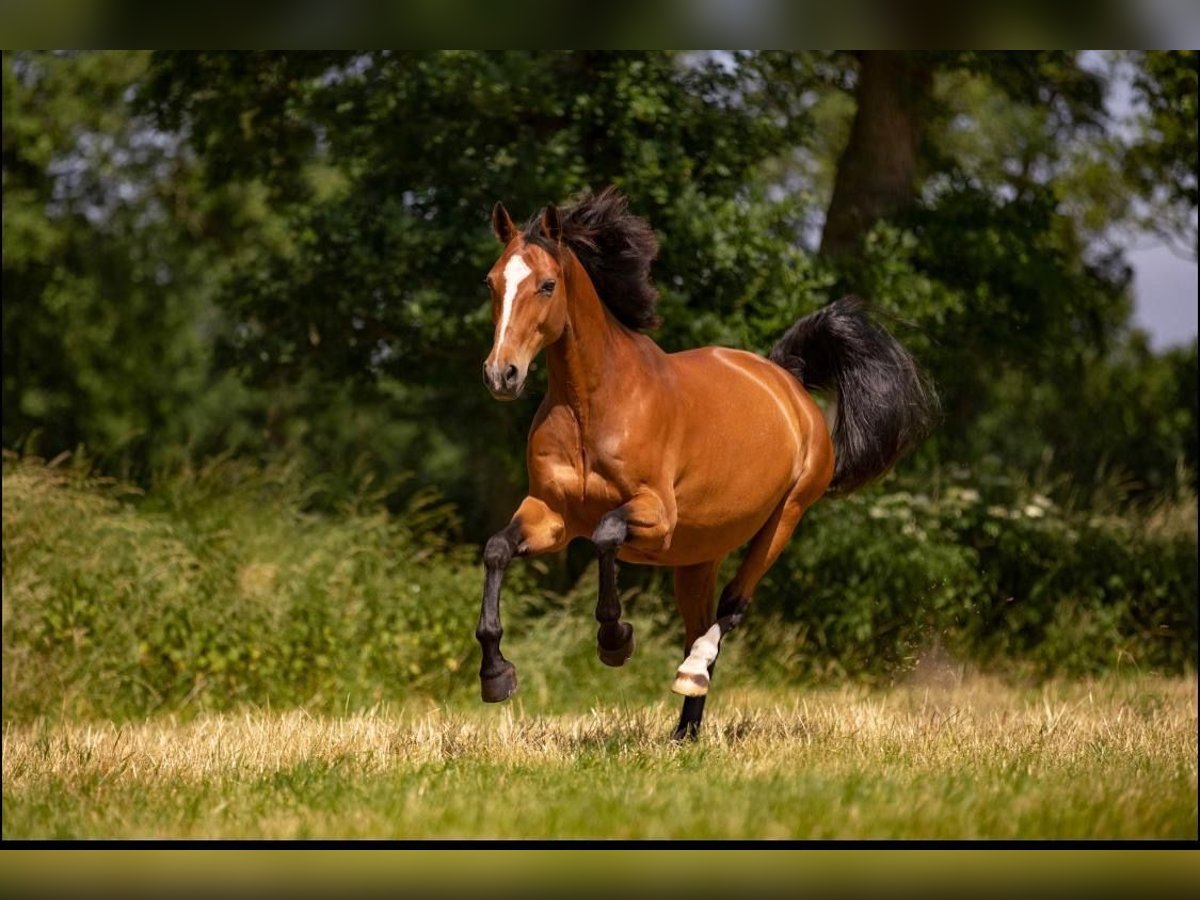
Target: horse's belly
721,511
691,545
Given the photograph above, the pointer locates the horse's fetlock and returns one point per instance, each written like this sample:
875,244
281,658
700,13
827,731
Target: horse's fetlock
489,634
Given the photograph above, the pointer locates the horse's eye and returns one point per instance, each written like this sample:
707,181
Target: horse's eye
546,287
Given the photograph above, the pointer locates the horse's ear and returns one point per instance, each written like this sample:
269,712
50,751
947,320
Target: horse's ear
551,225
502,224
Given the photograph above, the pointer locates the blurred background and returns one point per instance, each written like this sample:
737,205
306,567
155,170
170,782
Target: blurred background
249,454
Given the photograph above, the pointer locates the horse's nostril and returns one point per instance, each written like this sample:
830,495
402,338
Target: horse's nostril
510,374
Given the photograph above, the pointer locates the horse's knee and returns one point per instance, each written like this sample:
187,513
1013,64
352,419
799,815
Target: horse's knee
611,532
650,530
498,552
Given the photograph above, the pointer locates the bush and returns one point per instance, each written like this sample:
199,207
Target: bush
990,570
221,588
218,589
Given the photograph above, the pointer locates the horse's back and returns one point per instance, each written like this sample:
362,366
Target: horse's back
724,389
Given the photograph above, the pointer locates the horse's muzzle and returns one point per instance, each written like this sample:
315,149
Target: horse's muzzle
505,381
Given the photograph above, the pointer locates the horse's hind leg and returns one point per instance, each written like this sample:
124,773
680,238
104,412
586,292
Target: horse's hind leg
694,587
692,677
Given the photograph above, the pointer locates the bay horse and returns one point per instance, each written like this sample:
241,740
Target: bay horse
671,459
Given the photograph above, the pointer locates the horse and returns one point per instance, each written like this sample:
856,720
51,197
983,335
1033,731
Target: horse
671,459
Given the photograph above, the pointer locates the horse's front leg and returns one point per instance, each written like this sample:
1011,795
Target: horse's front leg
645,523
534,529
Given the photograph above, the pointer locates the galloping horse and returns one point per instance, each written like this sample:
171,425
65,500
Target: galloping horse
671,459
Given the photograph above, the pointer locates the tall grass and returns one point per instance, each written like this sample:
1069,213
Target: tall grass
219,589
222,587
1110,758
986,569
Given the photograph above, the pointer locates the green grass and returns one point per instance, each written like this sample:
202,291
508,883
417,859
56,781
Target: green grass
225,656
1114,758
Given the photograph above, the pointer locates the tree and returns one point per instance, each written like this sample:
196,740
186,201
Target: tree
108,315
1160,163
877,170
993,240
380,169
282,252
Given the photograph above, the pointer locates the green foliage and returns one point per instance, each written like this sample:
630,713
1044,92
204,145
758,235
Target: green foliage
1025,348
296,240
993,573
109,316
1161,161
218,590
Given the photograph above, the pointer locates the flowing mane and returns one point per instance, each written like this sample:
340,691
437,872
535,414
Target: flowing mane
615,247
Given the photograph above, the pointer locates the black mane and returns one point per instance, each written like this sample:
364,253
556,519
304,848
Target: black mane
615,247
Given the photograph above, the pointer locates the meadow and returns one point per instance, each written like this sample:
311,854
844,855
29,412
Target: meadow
219,657
1112,758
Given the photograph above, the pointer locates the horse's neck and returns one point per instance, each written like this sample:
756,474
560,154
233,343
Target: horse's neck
584,361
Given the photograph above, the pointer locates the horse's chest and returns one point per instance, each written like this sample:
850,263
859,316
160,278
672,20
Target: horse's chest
576,482
580,476
577,487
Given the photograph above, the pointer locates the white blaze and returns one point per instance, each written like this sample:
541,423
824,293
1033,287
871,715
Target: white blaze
515,271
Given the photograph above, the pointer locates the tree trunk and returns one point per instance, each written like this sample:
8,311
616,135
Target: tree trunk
876,174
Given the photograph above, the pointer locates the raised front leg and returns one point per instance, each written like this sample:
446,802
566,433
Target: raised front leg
644,522
534,529
614,638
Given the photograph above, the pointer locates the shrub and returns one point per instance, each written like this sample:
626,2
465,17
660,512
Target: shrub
990,570
222,588
219,589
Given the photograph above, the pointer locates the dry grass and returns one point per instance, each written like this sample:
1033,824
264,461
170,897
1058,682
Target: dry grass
1112,758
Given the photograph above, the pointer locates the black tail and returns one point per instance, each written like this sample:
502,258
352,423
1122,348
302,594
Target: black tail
885,406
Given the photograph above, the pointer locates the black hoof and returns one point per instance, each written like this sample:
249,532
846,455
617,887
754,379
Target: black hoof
615,650
688,732
499,687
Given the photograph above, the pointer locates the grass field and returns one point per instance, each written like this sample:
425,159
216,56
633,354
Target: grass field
1110,758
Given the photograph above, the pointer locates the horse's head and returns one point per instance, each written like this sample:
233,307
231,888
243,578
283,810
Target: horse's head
529,302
